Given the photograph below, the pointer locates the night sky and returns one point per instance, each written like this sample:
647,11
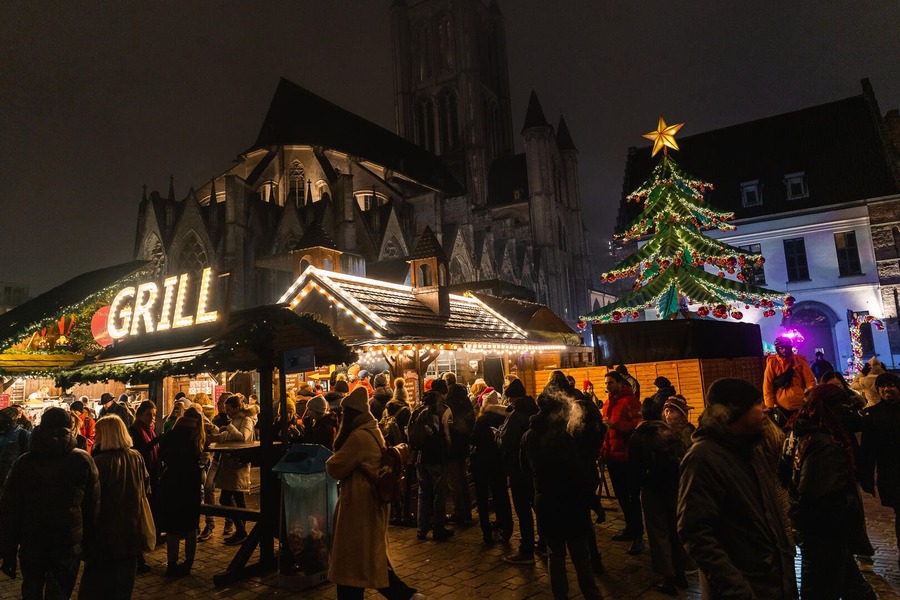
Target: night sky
98,98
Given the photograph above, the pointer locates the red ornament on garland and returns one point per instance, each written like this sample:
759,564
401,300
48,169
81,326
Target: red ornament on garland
789,301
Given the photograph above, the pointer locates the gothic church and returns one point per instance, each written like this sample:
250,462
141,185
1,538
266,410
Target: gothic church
323,186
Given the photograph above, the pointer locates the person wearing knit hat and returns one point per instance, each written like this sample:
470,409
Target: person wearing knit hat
675,414
652,407
338,391
440,386
319,424
729,515
486,465
426,387
358,400
515,389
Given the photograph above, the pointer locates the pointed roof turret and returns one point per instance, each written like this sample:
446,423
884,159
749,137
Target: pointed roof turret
309,198
171,188
428,246
315,235
534,116
144,194
563,137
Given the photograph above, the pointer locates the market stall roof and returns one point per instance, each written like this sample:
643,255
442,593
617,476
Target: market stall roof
250,339
28,364
49,306
392,313
542,324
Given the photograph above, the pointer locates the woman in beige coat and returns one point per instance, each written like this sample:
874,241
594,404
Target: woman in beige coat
359,550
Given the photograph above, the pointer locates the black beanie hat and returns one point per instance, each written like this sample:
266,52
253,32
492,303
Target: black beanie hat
341,387
736,395
515,389
439,386
56,417
662,382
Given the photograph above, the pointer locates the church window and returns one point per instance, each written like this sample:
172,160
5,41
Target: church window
425,275
154,253
442,275
456,271
391,249
369,199
304,263
445,33
192,258
296,175
448,121
425,124
327,264
424,52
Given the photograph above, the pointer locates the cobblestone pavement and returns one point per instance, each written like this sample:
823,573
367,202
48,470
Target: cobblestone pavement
463,568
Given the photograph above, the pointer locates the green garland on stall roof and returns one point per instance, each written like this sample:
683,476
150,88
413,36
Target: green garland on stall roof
135,373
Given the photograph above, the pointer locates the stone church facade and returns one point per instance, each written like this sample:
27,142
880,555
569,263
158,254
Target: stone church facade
321,177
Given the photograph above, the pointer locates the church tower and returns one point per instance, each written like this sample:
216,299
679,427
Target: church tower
451,84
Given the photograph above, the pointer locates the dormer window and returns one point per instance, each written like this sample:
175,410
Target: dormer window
751,193
795,183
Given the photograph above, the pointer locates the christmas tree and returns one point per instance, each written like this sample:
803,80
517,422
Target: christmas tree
670,268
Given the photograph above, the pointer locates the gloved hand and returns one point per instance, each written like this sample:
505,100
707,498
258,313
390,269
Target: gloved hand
9,566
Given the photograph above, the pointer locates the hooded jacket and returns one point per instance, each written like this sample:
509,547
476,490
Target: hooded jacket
123,482
791,397
51,498
623,411
511,432
865,384
234,470
729,519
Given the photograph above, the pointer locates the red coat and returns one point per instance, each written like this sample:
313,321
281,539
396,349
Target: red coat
623,413
87,430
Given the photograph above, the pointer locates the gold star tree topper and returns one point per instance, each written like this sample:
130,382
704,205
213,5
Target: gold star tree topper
664,136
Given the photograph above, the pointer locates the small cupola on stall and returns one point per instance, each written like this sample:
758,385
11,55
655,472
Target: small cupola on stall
316,248
428,274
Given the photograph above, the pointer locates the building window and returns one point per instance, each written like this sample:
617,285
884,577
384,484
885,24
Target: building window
369,199
795,260
754,274
751,193
445,35
296,174
847,253
795,183
448,121
425,124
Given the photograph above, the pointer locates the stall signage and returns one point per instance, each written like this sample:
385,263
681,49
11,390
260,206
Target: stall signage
136,305
300,360
4,400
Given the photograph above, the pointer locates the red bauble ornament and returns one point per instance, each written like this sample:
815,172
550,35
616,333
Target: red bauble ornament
581,324
789,301
635,315
786,312
703,311
616,316
731,270
721,273
737,315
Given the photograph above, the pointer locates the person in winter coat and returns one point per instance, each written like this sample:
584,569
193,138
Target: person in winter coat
211,470
827,512
675,414
880,449
146,442
864,382
319,425
521,486
234,468
786,378
562,496
360,554
180,453
656,451
13,441
486,463
110,566
398,409
430,456
652,406
621,414
462,421
48,511
820,366
109,406
381,395
728,515
629,379
86,423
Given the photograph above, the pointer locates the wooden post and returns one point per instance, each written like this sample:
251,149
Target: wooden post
268,481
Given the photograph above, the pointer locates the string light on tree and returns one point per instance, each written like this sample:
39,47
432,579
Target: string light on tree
670,269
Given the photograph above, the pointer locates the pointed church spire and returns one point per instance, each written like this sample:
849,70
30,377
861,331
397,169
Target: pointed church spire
171,188
212,192
309,198
144,194
563,137
534,116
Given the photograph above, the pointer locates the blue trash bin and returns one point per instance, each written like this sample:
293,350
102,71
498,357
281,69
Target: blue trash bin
308,499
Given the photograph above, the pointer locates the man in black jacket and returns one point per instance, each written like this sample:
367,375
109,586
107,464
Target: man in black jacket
728,513
48,509
427,440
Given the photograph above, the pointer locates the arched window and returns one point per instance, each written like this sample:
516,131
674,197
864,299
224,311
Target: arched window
425,275
295,175
425,124
192,257
445,35
424,45
448,121
327,264
304,263
442,275
153,251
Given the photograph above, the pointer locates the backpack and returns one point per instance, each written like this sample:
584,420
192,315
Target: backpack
789,464
390,429
424,431
388,480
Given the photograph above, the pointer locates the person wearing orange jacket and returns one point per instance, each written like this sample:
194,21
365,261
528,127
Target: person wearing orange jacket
622,414
786,378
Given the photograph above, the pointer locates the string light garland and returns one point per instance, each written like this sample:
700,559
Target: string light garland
855,335
669,271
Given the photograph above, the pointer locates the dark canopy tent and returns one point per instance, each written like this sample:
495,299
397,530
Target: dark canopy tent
653,341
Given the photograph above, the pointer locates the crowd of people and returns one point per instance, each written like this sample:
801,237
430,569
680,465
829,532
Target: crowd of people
766,471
